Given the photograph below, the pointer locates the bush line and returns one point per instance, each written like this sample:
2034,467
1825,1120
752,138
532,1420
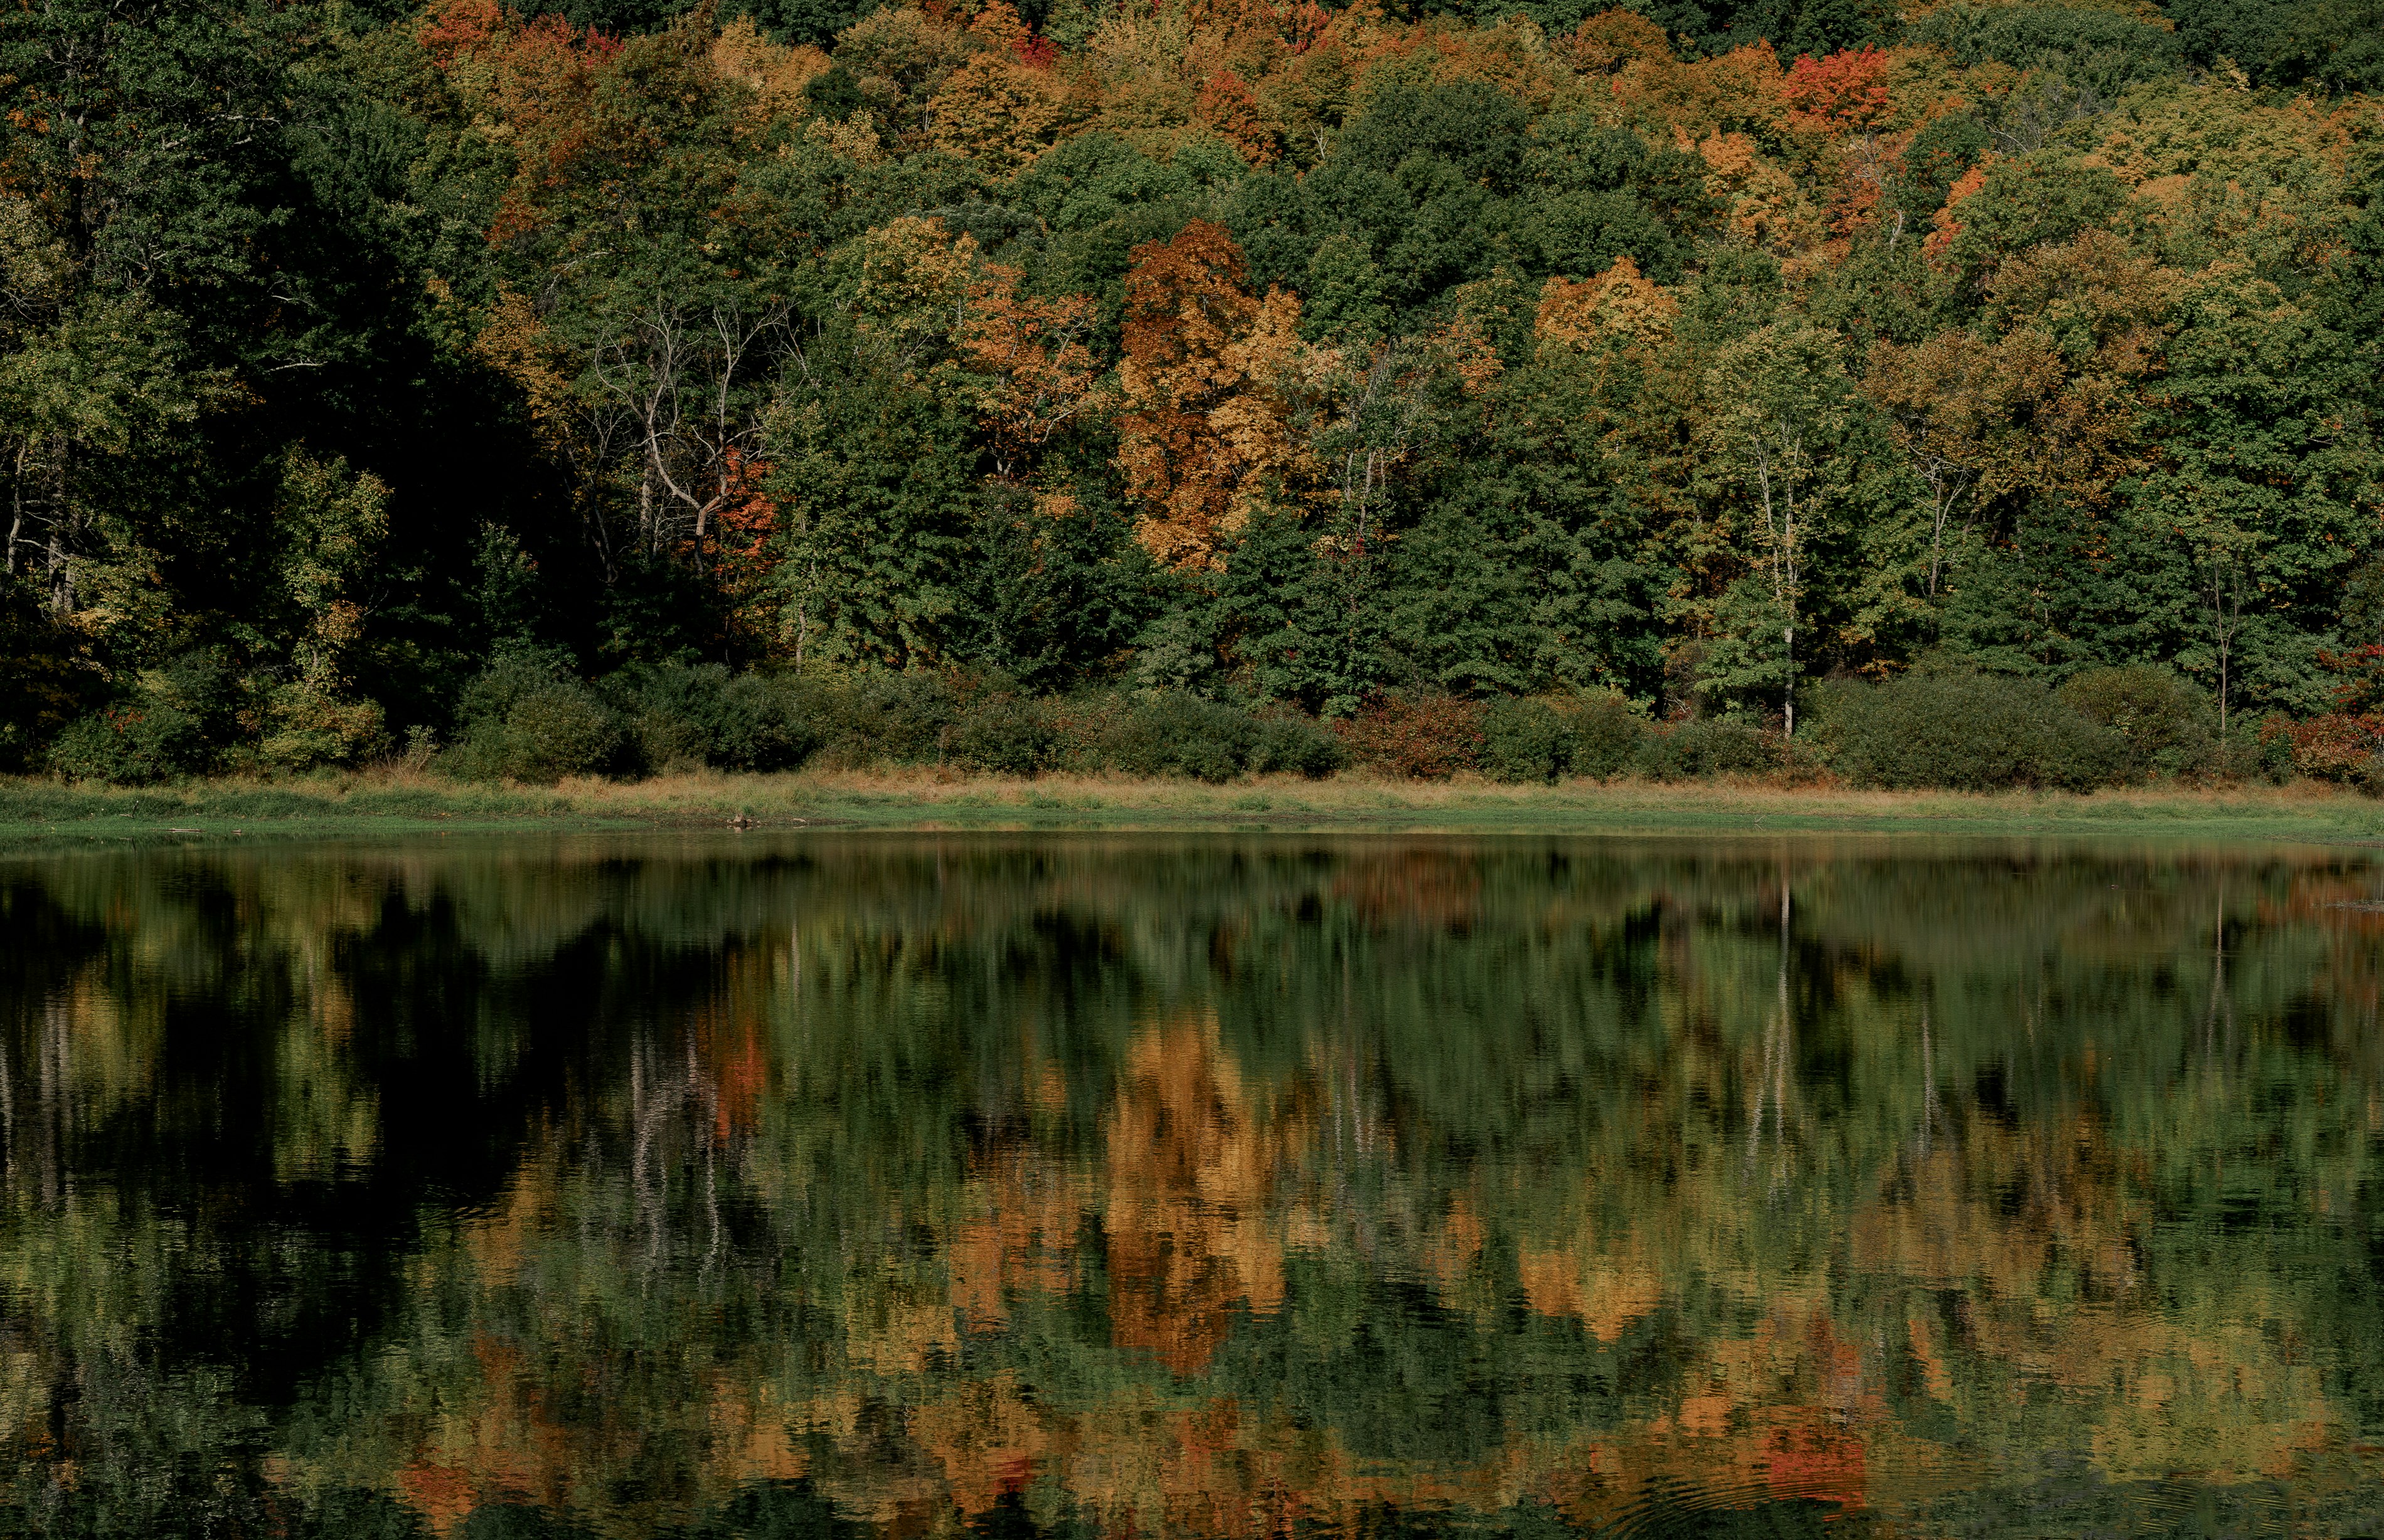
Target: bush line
529,718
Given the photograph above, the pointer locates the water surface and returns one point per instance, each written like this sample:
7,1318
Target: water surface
909,1185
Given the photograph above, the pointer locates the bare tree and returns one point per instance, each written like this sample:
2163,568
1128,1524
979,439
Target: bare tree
680,389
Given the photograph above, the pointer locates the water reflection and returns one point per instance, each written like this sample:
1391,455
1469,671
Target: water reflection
1227,1188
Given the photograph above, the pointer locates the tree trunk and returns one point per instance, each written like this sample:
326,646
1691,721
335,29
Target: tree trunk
59,555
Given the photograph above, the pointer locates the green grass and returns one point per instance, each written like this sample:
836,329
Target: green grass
394,803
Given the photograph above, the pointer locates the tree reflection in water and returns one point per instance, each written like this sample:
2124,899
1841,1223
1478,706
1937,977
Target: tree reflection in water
1219,1187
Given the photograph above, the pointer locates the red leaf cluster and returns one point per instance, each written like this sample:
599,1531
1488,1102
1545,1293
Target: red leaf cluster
2341,746
1425,737
1847,90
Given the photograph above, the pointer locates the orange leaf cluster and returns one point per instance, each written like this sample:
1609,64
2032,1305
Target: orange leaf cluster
1226,106
1947,226
1430,737
538,78
1206,434
1032,360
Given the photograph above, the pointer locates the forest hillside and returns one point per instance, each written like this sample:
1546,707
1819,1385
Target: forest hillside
638,384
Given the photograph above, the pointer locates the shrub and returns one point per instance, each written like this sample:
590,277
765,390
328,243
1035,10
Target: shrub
1712,746
175,724
528,717
703,714
310,722
1290,743
1175,732
1543,737
130,745
1004,734
565,730
1426,737
1180,733
2359,678
1524,740
884,719
1605,732
761,725
1969,732
2167,724
2344,747
669,712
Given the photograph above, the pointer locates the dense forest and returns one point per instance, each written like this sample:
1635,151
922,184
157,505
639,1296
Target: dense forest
381,380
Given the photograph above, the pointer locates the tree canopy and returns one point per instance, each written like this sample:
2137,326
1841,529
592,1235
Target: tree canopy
1701,352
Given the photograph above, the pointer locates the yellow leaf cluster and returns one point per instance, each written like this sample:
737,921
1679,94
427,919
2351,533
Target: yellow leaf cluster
1619,306
776,74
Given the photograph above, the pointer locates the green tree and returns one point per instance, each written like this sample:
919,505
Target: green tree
1783,408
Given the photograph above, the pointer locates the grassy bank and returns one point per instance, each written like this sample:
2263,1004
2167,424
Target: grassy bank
387,802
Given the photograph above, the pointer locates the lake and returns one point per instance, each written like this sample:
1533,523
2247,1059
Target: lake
843,1186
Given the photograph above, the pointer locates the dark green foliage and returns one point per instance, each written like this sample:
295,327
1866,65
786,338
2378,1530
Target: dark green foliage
2330,44
1793,27
1094,178
887,483
1412,199
507,592
815,21
2169,727
1709,746
1604,193
682,716
619,17
1100,198
528,717
1605,732
834,93
2335,44
1049,602
885,718
1175,732
1524,740
1292,743
2103,50
1306,626
1815,27
2238,30
2034,201
1002,733
1541,739
1520,577
761,724
42,687
172,725
1968,731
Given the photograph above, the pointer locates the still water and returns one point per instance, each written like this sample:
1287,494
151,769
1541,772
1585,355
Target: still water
856,1185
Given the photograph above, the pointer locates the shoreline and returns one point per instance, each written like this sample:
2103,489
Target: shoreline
398,803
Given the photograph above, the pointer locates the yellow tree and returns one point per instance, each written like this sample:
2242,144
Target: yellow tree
1208,373
1005,105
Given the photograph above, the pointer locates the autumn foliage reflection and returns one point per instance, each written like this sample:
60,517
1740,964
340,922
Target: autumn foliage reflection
1185,1190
